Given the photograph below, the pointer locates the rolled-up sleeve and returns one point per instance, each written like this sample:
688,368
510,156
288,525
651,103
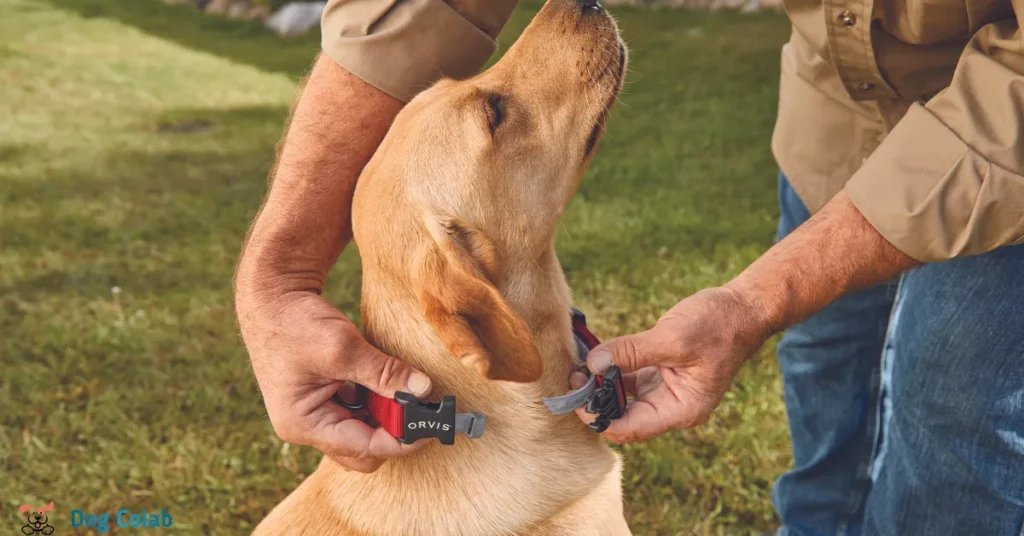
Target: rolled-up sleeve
948,181
403,46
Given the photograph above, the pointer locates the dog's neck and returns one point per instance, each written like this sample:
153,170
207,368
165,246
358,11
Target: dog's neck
538,292
535,288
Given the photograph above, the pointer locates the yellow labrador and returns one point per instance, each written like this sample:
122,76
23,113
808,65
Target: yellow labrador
454,218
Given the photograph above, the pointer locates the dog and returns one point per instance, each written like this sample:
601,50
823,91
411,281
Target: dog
38,521
454,217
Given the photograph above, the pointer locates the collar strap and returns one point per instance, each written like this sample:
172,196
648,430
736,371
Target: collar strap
603,395
408,419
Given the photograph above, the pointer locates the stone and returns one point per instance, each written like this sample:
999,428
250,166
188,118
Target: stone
259,13
218,7
296,18
237,9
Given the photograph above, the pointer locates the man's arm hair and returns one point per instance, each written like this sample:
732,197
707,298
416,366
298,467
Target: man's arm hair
836,251
305,221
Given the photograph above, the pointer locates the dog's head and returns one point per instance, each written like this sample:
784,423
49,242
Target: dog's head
468,185
36,517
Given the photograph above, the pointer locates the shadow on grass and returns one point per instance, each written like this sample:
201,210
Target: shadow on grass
241,41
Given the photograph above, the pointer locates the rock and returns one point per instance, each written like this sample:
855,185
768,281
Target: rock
237,9
717,5
217,7
296,18
259,13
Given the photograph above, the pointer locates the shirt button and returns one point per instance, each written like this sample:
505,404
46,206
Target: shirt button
848,19
865,86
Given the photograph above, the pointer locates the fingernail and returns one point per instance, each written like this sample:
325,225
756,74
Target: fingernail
418,384
600,361
577,379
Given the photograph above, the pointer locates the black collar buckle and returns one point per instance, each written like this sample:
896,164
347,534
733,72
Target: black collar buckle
609,399
427,419
437,419
408,419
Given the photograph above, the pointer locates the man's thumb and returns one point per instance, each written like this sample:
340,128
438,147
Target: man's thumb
385,374
629,352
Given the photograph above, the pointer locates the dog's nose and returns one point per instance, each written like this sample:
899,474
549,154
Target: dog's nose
589,5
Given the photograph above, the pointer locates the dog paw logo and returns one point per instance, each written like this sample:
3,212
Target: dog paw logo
38,521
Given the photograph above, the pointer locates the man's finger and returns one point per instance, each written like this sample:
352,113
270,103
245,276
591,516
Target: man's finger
360,465
630,352
640,421
382,373
653,414
629,383
352,439
587,418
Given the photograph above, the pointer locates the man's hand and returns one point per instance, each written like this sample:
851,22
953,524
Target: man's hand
302,348
302,351
679,370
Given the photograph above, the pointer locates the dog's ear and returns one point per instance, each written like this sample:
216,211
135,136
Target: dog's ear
24,508
453,278
49,507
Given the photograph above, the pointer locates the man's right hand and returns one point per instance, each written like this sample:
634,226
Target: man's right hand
303,350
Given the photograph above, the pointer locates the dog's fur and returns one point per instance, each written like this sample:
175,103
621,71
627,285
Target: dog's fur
454,217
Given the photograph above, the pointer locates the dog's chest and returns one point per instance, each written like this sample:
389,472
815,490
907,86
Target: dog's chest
476,492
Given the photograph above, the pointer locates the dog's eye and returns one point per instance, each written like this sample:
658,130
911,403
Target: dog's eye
494,108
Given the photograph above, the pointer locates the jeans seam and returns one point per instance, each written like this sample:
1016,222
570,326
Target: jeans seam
873,432
877,451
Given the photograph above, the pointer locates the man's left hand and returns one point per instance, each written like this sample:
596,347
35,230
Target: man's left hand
679,370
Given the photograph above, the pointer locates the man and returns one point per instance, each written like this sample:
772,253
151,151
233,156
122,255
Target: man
900,129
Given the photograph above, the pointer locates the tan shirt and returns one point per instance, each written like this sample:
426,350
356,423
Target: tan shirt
916,106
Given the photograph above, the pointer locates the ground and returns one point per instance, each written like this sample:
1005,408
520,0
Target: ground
134,148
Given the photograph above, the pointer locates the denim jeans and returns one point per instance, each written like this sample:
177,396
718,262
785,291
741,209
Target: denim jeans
906,402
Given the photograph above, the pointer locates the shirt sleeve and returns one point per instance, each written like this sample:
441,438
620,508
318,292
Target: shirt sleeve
948,181
403,46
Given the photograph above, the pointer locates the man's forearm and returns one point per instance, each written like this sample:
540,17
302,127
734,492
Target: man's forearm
305,221
836,251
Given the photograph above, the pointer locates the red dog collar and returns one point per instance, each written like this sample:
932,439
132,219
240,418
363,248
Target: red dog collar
408,419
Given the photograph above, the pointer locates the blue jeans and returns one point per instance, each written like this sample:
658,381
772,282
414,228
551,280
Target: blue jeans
906,402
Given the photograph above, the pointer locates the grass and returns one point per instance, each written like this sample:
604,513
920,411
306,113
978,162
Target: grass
134,147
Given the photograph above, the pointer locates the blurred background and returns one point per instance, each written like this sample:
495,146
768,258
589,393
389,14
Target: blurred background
135,142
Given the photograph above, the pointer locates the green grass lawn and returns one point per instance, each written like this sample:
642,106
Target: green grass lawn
135,142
